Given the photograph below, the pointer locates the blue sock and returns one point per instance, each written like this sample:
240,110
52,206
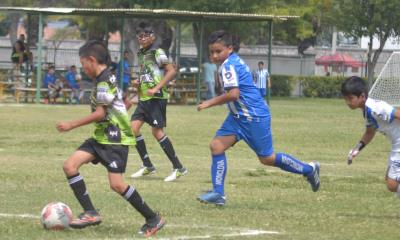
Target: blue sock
291,164
218,172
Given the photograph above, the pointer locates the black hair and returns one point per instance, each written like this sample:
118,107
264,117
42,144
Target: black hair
354,86
143,27
220,36
97,50
261,62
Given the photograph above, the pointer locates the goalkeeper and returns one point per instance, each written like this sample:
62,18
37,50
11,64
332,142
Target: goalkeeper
379,116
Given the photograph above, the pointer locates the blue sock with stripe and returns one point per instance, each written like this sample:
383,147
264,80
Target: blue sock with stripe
218,172
291,164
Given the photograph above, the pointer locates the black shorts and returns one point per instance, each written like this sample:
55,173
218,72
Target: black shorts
113,157
153,112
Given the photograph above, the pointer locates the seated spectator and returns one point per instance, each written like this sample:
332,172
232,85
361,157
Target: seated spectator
73,78
53,85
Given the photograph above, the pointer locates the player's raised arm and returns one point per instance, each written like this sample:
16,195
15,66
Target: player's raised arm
366,138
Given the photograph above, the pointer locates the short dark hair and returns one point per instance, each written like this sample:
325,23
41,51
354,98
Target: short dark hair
354,86
260,62
220,36
145,28
97,50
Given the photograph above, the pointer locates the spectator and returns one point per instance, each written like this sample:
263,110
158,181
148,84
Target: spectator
210,72
72,79
53,85
261,79
114,66
20,53
126,71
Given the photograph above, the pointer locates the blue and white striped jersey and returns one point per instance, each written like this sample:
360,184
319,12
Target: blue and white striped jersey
261,76
236,74
380,115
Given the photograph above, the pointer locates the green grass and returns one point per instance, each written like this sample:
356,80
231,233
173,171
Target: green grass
353,202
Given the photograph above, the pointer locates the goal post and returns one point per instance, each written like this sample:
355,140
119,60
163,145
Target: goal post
387,85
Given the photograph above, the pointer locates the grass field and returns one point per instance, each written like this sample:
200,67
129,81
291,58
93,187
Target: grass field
262,202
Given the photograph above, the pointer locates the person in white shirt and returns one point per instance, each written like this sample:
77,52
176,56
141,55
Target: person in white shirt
379,116
262,79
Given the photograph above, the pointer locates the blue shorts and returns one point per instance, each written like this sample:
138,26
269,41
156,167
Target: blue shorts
257,133
263,92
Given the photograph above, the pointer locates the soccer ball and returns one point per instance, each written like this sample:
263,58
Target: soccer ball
56,216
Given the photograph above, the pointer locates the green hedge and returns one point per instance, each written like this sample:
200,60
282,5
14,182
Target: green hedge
282,85
323,87
311,86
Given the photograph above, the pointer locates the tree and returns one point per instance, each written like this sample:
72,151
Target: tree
370,18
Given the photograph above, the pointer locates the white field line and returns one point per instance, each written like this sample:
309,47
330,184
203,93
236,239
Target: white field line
232,232
242,233
9,215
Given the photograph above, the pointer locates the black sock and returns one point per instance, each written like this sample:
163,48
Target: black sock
79,188
133,197
166,145
141,148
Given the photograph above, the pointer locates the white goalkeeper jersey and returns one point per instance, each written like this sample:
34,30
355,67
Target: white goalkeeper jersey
380,115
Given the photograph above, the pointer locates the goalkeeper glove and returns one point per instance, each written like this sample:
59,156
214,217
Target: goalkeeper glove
354,152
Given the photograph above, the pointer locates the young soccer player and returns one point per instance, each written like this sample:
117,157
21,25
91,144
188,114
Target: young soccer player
248,119
154,74
109,145
379,116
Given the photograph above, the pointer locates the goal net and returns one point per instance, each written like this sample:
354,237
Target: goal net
387,85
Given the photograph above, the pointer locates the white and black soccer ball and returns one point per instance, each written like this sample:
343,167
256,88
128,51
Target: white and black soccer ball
56,216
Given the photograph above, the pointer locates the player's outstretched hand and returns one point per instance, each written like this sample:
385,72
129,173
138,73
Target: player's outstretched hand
352,154
64,126
203,105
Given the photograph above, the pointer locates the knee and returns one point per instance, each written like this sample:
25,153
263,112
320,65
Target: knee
158,133
69,168
269,160
118,187
391,185
216,148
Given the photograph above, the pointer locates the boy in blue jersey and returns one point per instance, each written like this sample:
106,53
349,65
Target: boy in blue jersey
248,119
379,116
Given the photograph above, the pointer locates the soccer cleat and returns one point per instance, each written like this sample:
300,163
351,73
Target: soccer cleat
152,226
85,219
176,173
143,172
213,198
313,177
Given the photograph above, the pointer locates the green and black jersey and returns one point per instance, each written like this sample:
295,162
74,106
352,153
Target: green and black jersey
151,62
115,127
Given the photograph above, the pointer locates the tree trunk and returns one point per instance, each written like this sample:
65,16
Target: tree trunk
372,62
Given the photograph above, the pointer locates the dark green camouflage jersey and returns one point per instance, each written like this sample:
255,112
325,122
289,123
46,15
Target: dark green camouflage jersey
151,62
115,127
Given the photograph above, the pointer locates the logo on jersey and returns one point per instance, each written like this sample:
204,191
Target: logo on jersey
112,79
155,122
228,76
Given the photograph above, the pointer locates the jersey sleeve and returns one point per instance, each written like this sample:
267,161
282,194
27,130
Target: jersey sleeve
161,57
105,95
229,77
379,110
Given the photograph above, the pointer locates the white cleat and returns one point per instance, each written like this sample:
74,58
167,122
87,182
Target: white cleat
143,172
176,173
